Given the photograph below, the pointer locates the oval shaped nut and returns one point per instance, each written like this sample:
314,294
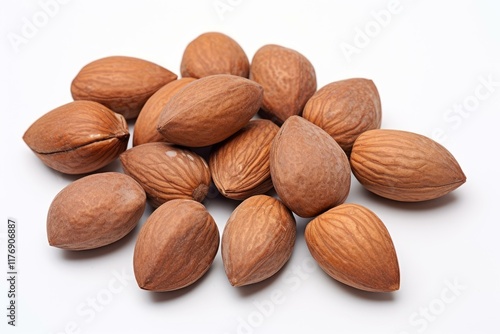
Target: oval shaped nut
175,247
95,211
258,240
167,172
404,166
345,109
352,245
209,110
214,53
309,170
147,121
240,165
78,137
122,84
288,78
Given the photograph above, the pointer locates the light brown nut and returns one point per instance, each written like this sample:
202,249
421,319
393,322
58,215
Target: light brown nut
167,172
310,171
288,78
95,211
240,165
258,240
345,109
147,121
175,247
352,245
404,166
122,84
214,53
209,110
78,137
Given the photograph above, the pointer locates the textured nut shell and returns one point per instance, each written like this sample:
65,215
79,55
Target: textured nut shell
95,211
122,84
209,110
147,121
288,78
175,247
345,109
352,245
167,172
404,166
240,165
258,240
309,170
78,137
214,53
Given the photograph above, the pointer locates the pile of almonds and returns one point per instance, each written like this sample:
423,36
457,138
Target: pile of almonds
305,144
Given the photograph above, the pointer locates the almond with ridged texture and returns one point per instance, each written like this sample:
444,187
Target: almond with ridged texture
214,53
288,78
345,109
258,240
352,245
209,110
175,247
147,121
167,172
78,137
309,170
121,83
404,166
95,211
240,165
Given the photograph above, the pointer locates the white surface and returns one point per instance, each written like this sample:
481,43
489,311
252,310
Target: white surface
428,58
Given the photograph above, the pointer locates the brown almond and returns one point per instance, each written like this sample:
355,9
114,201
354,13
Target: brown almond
175,247
240,165
404,166
258,240
78,137
95,211
167,172
352,245
122,84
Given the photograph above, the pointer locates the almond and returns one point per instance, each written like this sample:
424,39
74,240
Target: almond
404,166
209,110
175,247
352,245
167,172
288,79
147,121
345,109
122,84
78,137
214,53
309,170
258,240
95,211
240,165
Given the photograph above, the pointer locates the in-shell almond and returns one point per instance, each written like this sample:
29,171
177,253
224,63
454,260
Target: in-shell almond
95,211
78,137
240,165
209,110
404,166
345,109
121,83
352,245
167,172
309,170
214,53
258,240
175,247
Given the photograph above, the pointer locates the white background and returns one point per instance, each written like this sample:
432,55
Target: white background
428,58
